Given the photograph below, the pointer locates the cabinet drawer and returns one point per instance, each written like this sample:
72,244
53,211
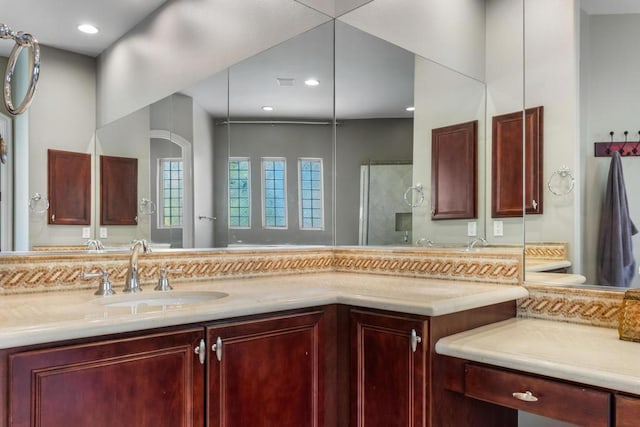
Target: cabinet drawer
566,402
627,411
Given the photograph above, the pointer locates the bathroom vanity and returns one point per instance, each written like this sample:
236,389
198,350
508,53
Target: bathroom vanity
321,349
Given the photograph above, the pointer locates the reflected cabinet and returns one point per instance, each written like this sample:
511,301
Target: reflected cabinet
507,162
454,171
118,190
69,182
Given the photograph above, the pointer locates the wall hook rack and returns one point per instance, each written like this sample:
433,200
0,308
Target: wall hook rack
626,148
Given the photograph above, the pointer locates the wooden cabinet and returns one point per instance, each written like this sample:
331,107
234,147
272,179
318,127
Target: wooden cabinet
154,380
118,190
555,399
454,171
266,372
69,182
507,160
388,370
627,411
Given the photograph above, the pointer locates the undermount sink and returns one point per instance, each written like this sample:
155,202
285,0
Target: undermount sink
160,299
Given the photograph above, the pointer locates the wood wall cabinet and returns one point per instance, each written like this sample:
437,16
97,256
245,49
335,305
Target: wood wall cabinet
118,190
388,377
454,171
266,372
153,380
69,182
507,161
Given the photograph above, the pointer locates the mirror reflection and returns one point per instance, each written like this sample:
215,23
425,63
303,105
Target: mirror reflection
576,179
218,147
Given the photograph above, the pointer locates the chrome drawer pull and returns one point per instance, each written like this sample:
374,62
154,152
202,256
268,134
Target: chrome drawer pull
217,347
527,396
415,340
200,351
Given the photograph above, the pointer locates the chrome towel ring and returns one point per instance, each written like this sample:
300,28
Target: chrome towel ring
409,196
22,40
562,174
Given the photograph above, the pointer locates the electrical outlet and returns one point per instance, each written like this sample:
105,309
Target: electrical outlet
498,228
103,232
86,232
472,229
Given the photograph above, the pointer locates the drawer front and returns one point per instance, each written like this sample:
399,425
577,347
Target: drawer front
627,411
566,402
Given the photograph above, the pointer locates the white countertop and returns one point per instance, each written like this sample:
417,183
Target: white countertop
534,277
47,317
581,353
545,264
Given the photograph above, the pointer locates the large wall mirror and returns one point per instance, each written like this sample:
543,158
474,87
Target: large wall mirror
258,155
557,76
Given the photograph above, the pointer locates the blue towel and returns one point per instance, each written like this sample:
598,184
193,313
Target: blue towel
616,264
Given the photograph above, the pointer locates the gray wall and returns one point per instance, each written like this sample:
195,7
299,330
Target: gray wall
62,116
291,142
359,141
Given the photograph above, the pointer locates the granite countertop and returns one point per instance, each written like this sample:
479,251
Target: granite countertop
580,353
47,317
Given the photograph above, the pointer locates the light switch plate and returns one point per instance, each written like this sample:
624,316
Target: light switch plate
498,228
472,229
103,232
86,232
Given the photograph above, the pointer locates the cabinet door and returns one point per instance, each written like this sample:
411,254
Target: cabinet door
507,151
69,188
454,181
388,377
627,411
266,372
155,380
118,190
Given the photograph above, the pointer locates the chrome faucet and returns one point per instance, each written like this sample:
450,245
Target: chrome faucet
131,284
475,241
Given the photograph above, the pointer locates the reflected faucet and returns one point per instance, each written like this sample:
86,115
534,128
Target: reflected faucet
131,284
423,241
94,244
475,241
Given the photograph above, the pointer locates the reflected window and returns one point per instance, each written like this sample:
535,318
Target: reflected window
171,185
274,192
310,194
239,192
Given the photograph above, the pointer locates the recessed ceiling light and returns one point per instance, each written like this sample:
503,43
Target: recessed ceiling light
312,82
267,108
410,108
87,28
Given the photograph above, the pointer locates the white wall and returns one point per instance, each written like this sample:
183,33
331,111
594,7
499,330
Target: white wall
127,137
551,80
203,172
504,89
62,117
611,102
443,97
186,41
450,32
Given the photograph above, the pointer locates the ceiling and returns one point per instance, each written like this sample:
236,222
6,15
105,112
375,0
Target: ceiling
54,22
373,79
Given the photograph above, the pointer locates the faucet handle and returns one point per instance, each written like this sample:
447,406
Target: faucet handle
105,288
163,282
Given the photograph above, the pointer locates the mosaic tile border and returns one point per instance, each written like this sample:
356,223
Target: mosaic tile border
573,305
557,251
47,272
